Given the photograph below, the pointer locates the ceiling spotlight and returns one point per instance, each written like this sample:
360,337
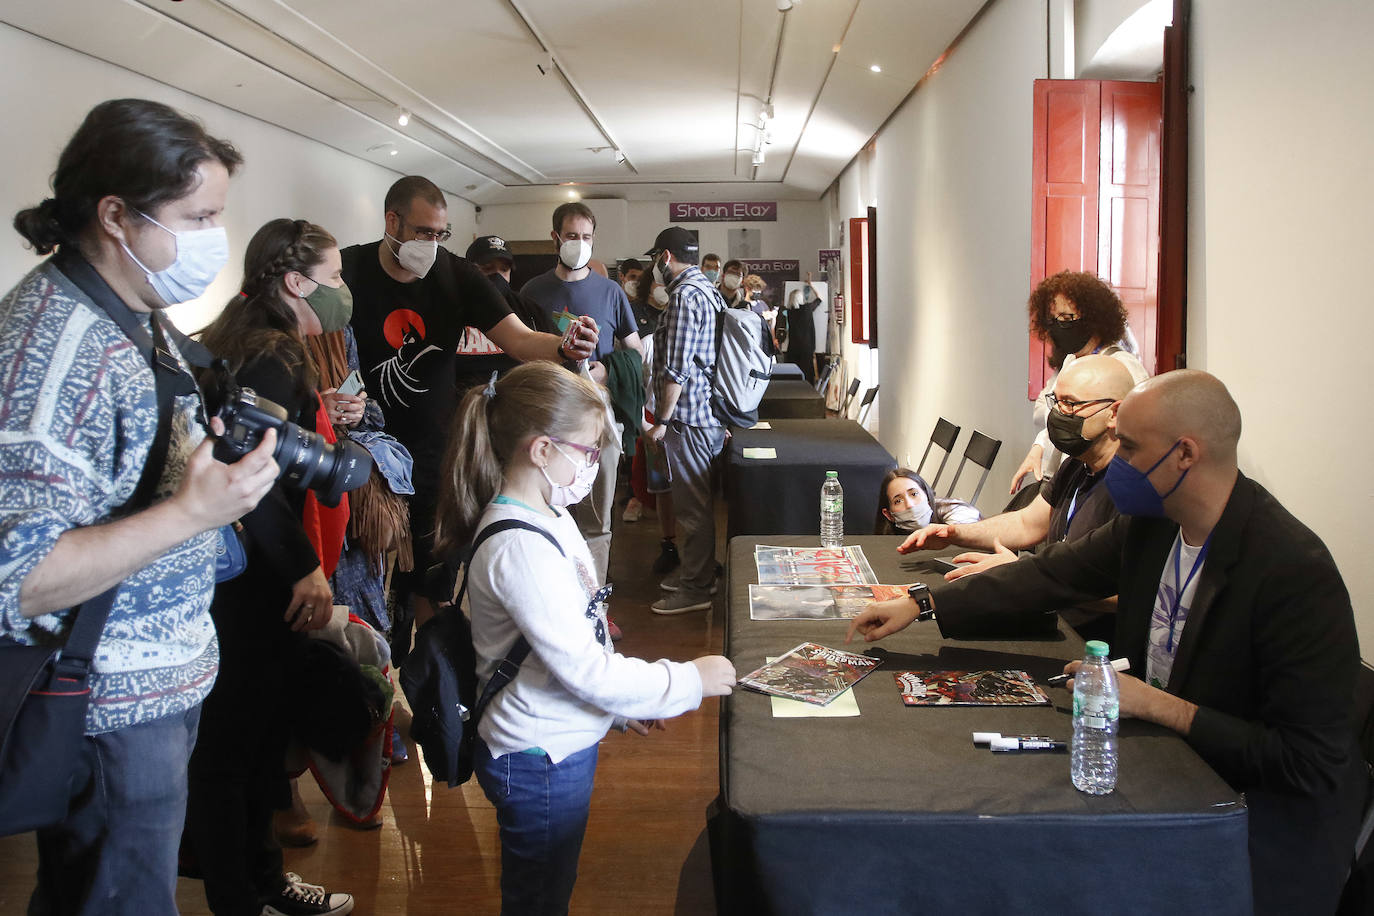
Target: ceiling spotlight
758,156
394,152
619,157
573,195
876,69
784,5
403,118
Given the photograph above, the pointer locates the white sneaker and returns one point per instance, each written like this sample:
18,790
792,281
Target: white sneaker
633,512
674,583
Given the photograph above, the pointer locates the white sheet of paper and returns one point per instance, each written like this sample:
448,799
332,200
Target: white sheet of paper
842,706
762,424
760,453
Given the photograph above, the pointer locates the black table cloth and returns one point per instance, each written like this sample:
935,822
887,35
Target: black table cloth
791,398
782,495
895,810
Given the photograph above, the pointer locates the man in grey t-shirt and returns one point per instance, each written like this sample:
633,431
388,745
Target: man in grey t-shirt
574,287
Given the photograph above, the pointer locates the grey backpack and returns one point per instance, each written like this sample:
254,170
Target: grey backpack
744,364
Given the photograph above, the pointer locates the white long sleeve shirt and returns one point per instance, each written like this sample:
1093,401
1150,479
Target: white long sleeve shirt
573,685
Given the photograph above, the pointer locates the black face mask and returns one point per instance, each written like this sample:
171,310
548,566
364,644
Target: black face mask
1069,337
1066,433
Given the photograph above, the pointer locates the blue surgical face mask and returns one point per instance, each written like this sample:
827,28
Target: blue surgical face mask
712,275
1131,489
201,255
912,519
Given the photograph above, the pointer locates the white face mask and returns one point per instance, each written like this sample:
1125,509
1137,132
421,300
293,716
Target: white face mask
631,288
731,282
659,297
572,493
201,255
911,519
575,253
416,255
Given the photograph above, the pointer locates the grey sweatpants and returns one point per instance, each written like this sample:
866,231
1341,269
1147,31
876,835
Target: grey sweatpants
693,462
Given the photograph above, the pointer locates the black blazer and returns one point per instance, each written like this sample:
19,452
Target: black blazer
1268,653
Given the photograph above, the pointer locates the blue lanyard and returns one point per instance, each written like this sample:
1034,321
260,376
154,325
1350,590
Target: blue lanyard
1178,591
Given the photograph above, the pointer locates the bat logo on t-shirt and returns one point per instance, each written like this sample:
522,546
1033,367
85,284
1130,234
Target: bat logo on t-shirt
404,330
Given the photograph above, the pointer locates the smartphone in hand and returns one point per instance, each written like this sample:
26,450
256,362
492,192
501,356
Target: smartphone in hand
351,385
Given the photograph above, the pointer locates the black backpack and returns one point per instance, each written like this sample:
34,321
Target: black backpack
439,677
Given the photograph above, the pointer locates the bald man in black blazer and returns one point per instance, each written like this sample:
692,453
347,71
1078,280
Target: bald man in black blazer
1257,670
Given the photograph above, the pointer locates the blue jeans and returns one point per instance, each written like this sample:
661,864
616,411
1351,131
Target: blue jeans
542,809
116,852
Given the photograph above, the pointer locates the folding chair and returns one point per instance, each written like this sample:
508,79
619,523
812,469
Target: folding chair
849,397
866,404
945,435
982,451
827,371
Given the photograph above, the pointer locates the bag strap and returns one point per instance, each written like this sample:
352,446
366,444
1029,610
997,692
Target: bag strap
169,380
510,665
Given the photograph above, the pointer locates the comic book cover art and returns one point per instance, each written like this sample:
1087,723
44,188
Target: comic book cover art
969,688
816,602
813,566
810,673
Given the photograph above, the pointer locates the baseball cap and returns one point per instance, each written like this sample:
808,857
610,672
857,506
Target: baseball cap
488,248
674,239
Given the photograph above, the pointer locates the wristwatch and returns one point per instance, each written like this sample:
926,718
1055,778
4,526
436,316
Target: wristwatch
920,593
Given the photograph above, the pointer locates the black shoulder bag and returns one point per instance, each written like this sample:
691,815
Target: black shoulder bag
440,677
44,691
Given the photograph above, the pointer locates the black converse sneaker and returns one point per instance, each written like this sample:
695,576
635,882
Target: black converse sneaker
667,559
301,899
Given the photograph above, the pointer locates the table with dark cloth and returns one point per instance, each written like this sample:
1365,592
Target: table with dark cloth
782,495
787,370
895,810
791,398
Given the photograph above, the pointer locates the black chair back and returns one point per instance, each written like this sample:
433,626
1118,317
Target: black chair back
827,371
866,404
982,451
849,397
944,436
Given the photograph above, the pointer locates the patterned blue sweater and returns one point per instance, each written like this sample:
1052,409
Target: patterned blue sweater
78,411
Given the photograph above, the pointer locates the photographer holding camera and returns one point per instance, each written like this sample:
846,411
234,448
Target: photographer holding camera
135,222
292,288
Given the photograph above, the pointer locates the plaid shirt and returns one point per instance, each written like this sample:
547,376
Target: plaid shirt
685,346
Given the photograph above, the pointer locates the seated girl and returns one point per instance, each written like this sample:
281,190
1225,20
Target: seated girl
906,503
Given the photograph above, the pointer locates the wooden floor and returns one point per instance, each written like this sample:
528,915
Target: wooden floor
438,850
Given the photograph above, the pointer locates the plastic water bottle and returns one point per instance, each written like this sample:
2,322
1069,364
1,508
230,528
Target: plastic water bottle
1096,705
832,511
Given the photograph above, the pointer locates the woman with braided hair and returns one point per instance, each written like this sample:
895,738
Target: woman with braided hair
292,290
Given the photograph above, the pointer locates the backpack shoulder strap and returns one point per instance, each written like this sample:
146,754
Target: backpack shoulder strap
510,665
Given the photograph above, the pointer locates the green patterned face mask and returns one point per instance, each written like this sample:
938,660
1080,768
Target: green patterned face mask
334,306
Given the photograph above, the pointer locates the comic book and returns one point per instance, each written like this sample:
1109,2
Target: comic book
816,602
813,566
969,688
810,673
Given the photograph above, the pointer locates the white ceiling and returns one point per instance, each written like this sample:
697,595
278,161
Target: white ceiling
677,87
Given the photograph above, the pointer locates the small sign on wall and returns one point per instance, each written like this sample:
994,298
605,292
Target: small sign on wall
727,211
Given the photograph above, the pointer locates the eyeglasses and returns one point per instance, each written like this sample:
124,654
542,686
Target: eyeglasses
432,235
1065,321
1070,407
592,453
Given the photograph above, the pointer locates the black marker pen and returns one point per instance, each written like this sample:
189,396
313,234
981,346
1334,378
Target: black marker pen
1059,680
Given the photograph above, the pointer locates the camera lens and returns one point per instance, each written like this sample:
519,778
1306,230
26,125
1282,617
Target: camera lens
309,462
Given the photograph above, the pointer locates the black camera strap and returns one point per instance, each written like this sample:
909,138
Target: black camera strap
170,380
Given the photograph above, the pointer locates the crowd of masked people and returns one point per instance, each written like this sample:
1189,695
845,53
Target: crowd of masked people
493,424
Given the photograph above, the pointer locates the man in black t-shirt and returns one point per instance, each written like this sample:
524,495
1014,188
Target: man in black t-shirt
1069,505
478,356
412,301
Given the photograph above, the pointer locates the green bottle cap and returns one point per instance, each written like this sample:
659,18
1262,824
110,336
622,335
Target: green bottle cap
835,474
1098,648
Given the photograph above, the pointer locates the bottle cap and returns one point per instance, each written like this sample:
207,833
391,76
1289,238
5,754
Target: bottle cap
834,474
1097,647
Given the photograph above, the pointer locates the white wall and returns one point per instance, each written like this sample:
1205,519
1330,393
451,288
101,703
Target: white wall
628,228
1281,218
284,174
951,181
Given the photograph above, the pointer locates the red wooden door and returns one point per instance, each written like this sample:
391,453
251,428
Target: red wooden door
1064,191
1128,211
1095,198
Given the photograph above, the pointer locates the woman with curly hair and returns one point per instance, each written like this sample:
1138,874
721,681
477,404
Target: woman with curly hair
1078,314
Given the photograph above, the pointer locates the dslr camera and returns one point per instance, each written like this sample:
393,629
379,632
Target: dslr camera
306,461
